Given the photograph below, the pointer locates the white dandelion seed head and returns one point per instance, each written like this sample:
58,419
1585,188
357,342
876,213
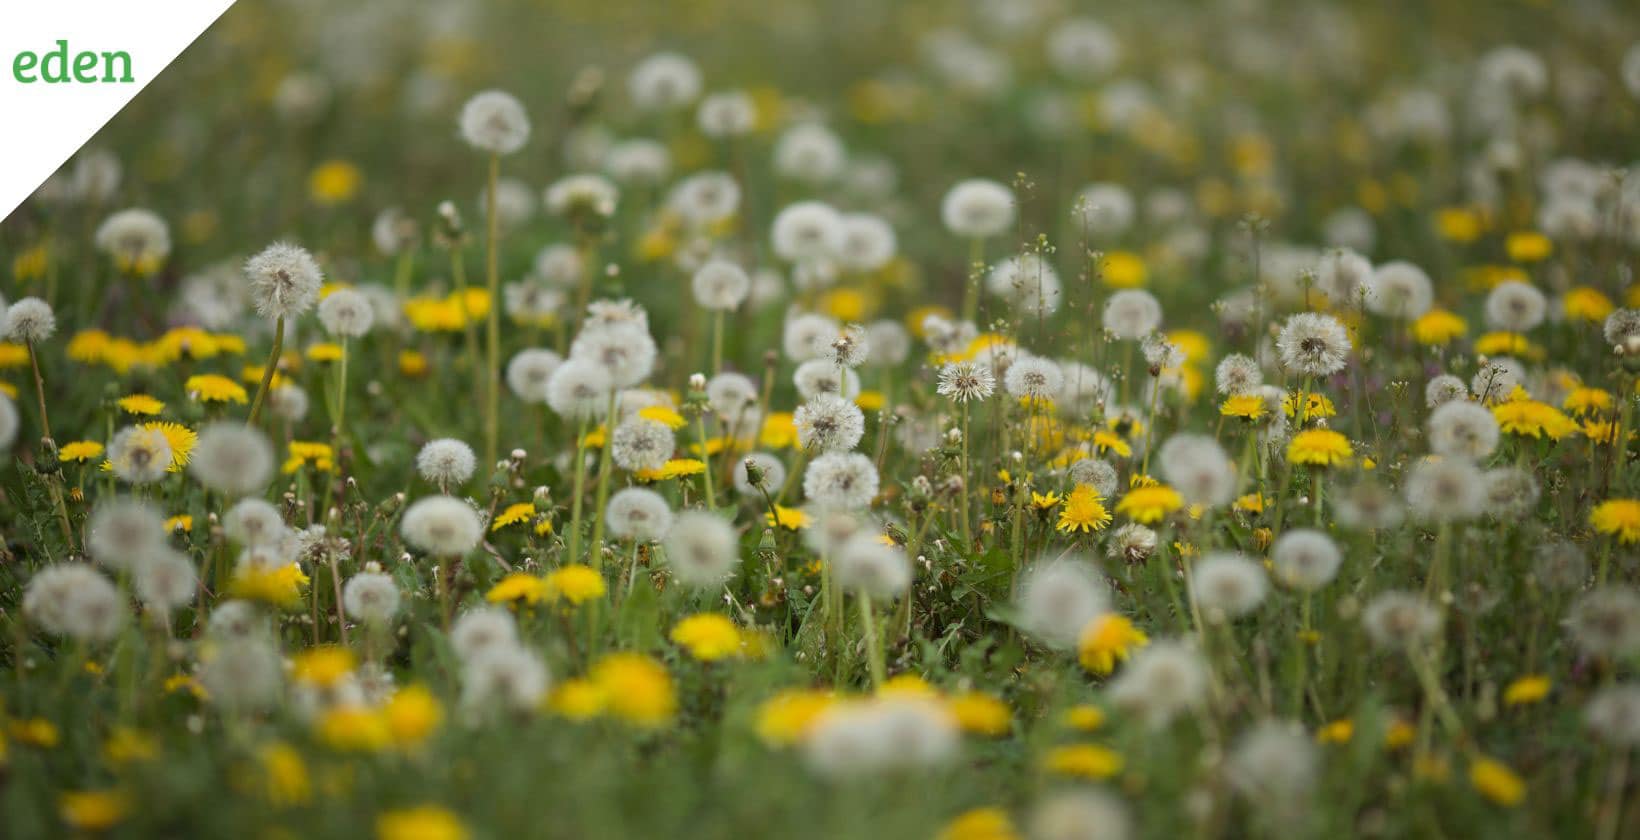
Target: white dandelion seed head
1399,289
1613,714
505,677
726,114
1083,49
639,161
829,423
641,444
1103,210
371,597
809,152
1497,379
288,401
866,242
138,455
1084,389
1160,352
1621,327
978,209
346,313
1028,282
864,564
394,231
1516,307
1305,559
29,321
705,198
236,620
495,121
579,390
1400,620
559,265
1343,276
74,600
1510,491
1161,681
514,203
842,480
1443,389
1462,429
663,82
772,469
1057,598
1199,468
1445,490
1131,543
582,195
822,377
807,232
1131,314
529,371
231,458
1368,505
1035,378
966,381
1561,565
243,674
164,579
731,393
888,343
623,351
879,735
1272,763
809,336
254,522
1313,344
850,348
1080,814
720,285
701,549
1095,473
481,629
135,235
446,461
1227,585
123,530
284,280
1237,374
1606,622
443,526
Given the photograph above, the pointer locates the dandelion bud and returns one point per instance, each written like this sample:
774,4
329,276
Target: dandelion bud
697,382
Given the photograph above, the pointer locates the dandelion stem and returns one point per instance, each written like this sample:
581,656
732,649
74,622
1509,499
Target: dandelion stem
874,641
578,484
603,485
268,369
492,397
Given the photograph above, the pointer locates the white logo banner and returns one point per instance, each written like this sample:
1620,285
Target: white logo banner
70,65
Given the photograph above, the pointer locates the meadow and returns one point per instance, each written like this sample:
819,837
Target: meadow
963,420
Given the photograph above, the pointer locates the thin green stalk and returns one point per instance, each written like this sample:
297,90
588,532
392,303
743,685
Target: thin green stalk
267,369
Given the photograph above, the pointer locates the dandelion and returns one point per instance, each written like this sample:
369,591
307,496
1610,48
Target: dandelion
1312,344
1494,780
863,564
137,240
140,455
1161,681
1605,622
1459,428
842,480
1272,763
1319,448
573,583
1084,512
1107,640
442,526
1449,489
494,121
1305,559
1400,620
1444,389
73,600
1131,314
504,677
1150,505
701,549
1613,714
638,514
481,629
709,637
1058,599
1399,289
641,444
1228,585
827,423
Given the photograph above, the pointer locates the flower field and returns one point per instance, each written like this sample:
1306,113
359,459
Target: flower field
966,420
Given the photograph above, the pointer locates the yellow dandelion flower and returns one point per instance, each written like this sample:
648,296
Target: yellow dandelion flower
324,351
180,524
1320,448
1337,732
12,355
1149,505
1399,734
413,364
79,451
576,699
141,404
285,775
1528,246
1462,225
779,430
423,822
1584,401
334,182
518,588
1245,406
1084,717
1085,761
126,746
639,689
1528,417
980,713
1107,640
514,514
871,400
412,715
1317,406
1619,518
663,415
787,717
1123,270
1527,690
1494,780
353,729
792,519
1438,327
1587,304
324,666
302,453
180,438
1045,501
575,583
1110,442
708,637
93,810
89,347
1083,512
280,586
980,824
215,388
1253,503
